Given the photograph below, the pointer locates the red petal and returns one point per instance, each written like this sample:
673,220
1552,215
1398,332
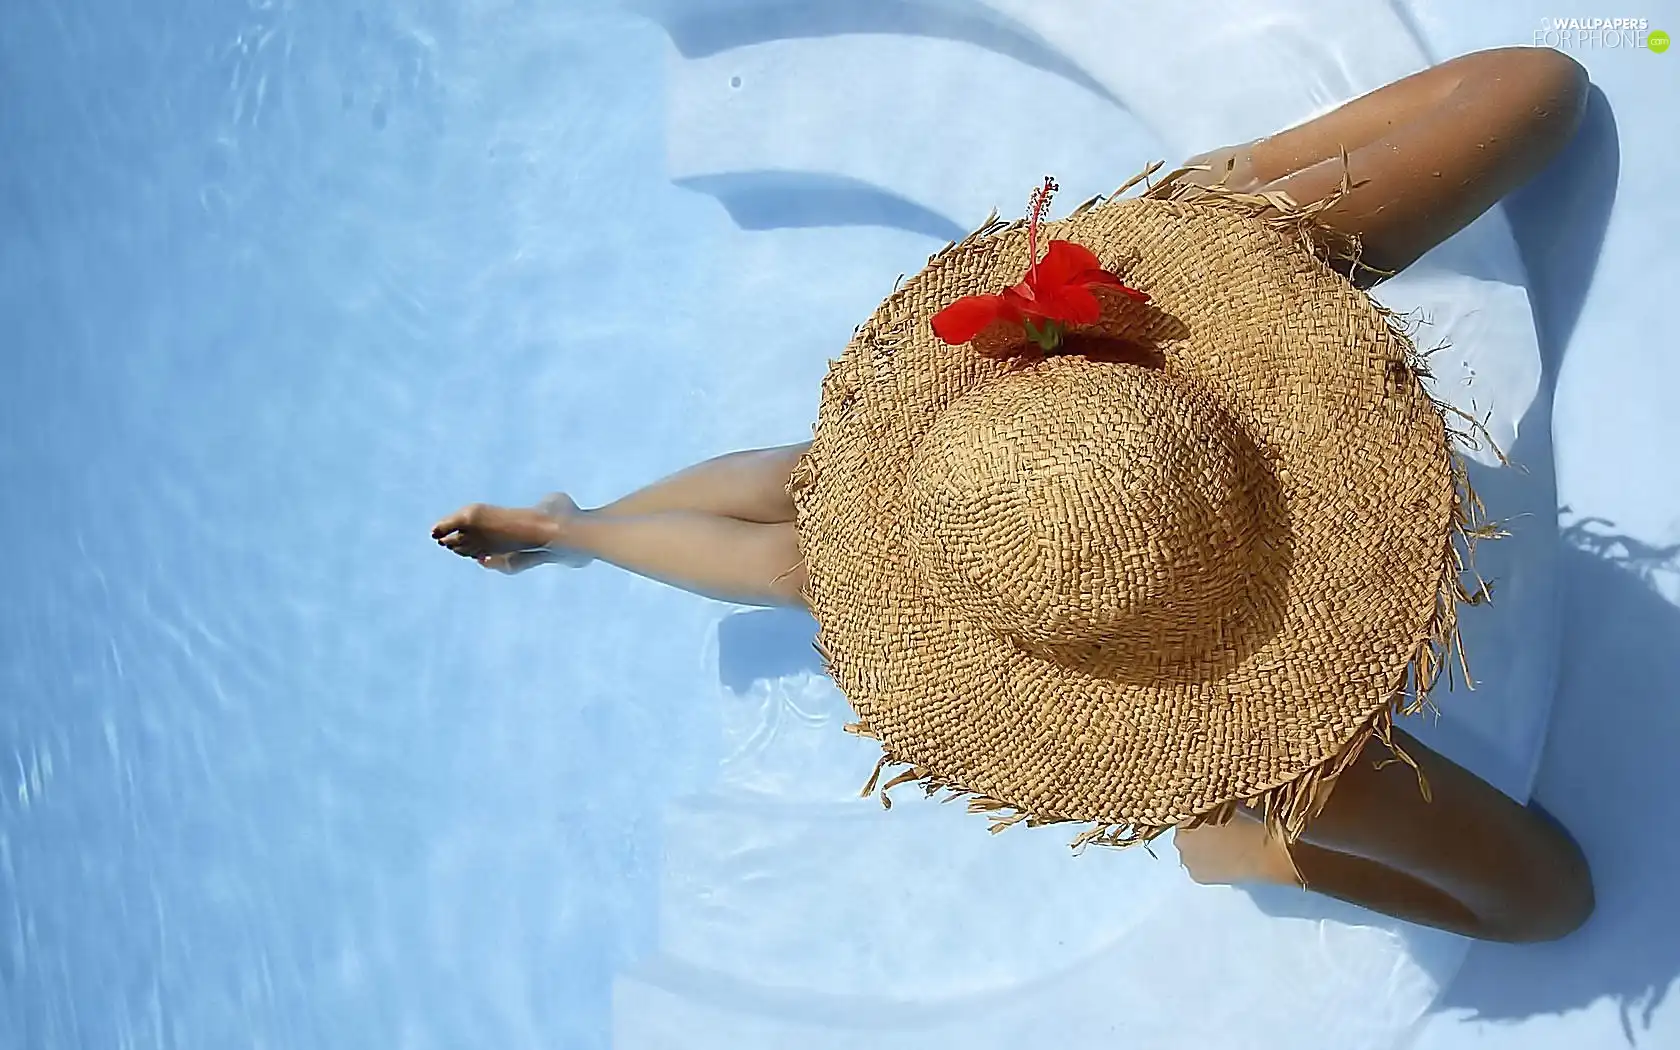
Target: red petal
1023,302
1074,304
969,316
1063,261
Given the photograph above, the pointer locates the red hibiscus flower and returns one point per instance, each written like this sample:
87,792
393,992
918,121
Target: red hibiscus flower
1056,292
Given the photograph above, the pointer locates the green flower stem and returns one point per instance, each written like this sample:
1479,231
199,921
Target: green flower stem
1048,338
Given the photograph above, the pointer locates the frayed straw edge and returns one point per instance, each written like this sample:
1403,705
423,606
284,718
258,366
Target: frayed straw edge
1287,215
1287,808
1278,210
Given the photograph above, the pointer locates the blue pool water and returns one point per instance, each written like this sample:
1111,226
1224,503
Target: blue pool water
283,281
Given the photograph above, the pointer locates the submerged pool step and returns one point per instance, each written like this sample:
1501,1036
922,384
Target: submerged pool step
919,901
666,1005
827,925
789,132
1181,977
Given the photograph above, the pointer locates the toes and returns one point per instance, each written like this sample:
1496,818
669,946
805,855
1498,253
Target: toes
461,519
458,543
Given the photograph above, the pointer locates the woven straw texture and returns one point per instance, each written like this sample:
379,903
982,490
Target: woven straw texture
1128,595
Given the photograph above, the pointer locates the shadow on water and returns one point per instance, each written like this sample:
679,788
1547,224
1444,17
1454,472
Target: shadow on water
767,200
705,27
765,643
771,200
1610,776
1558,220
1609,771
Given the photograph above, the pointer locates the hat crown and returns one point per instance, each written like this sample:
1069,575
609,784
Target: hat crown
1074,506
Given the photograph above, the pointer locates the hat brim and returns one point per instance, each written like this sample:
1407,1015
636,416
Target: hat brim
1325,386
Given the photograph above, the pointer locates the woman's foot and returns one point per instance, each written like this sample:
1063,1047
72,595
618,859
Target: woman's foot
517,562
512,539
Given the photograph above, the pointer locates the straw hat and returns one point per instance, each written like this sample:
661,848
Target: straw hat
1192,562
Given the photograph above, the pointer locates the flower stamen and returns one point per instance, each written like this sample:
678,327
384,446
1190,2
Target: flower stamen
1037,206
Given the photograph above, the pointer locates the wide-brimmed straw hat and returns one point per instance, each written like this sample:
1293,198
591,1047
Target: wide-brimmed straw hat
1195,560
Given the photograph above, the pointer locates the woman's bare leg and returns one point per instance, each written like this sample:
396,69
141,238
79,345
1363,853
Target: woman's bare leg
1516,876
1426,154
1468,859
750,563
723,529
747,486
